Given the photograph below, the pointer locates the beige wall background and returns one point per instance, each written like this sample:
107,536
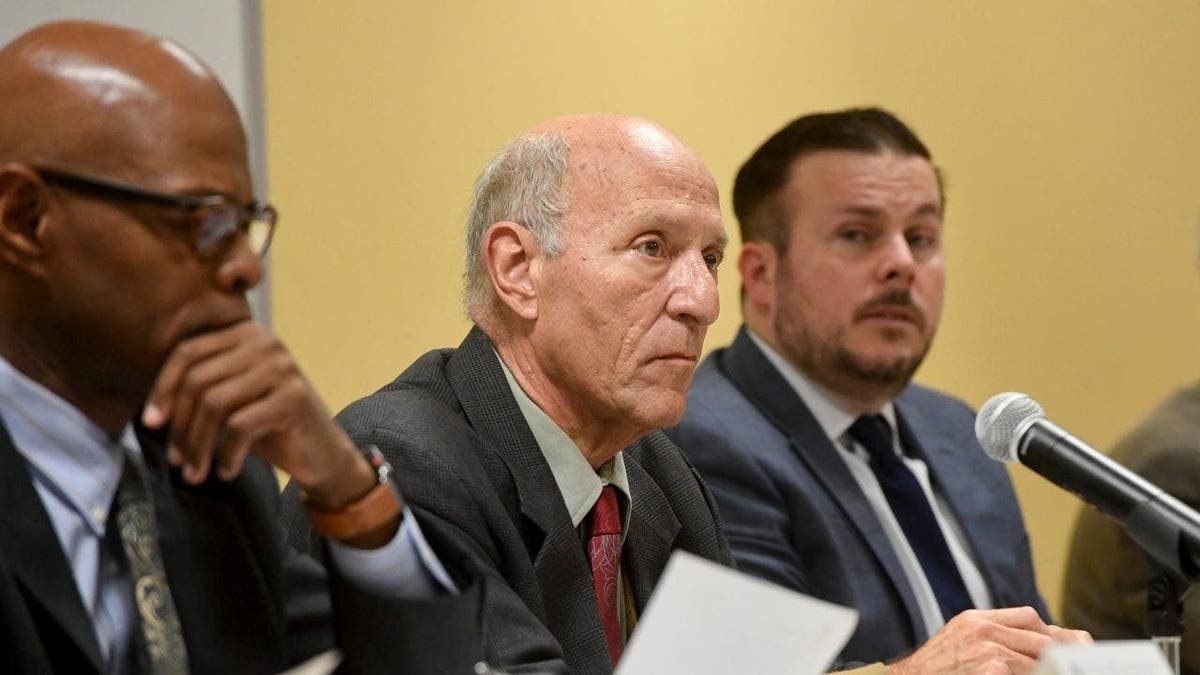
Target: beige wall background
1069,132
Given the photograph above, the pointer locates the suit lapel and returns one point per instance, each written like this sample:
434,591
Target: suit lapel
560,563
36,557
765,387
653,528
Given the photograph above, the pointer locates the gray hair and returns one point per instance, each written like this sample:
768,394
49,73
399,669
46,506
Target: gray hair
525,183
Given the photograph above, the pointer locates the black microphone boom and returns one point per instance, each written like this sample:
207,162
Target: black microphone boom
1013,427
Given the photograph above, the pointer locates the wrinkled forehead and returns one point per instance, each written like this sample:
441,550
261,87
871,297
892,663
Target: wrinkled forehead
617,175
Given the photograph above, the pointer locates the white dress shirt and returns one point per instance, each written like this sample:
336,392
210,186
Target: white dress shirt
835,421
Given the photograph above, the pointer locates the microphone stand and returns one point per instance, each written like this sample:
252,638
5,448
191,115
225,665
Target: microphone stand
1168,532
1164,609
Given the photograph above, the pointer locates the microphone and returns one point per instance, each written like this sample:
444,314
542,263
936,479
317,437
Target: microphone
1013,427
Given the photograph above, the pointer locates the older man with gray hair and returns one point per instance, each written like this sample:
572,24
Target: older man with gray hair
592,251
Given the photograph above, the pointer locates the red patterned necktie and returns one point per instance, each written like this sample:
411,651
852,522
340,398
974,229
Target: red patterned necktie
604,551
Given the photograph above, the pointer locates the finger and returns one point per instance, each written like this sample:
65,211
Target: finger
208,361
246,408
1070,636
987,657
1019,640
232,455
250,424
1024,617
290,432
160,402
1019,664
198,413
231,388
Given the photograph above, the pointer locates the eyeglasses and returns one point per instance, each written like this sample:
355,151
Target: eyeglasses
219,218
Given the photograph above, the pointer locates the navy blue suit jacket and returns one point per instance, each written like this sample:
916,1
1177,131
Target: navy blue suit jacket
794,514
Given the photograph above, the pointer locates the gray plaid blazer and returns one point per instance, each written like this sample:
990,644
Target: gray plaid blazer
469,467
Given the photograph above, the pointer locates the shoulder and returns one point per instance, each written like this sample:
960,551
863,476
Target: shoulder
441,460
711,382
933,417
674,481
656,456
714,402
1165,447
1173,424
931,401
943,428
419,405
720,419
422,385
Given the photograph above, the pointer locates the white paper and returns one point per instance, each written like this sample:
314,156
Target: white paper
321,664
706,619
1113,657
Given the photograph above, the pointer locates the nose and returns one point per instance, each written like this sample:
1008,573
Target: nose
897,259
239,269
694,299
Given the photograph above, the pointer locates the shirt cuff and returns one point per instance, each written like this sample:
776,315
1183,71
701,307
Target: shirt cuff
404,568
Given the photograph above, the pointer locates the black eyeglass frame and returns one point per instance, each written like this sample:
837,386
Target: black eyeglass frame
245,213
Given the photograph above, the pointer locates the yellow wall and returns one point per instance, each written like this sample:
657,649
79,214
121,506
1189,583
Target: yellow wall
1070,133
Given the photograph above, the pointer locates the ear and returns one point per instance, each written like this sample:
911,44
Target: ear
513,258
23,205
758,263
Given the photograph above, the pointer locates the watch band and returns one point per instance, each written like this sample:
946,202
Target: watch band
380,504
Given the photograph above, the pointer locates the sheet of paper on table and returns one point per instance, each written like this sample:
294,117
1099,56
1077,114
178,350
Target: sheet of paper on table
706,619
1111,657
321,664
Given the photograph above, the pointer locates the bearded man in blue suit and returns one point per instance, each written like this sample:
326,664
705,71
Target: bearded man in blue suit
834,475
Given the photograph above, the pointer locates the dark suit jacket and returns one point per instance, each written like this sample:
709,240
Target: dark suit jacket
468,463
247,603
1105,589
795,515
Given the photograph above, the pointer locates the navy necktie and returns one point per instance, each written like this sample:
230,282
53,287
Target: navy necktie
914,512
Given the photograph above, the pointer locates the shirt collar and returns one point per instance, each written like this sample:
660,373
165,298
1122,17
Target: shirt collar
73,456
579,484
834,418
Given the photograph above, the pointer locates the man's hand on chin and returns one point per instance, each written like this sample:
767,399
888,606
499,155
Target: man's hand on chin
238,390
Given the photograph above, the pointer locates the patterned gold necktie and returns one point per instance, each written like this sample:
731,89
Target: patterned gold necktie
160,637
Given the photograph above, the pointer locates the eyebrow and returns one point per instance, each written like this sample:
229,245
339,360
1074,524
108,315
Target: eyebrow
926,209
930,209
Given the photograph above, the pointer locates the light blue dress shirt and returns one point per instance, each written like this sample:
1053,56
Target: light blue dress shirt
76,468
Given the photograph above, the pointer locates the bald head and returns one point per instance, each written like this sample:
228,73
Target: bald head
87,105
564,166
612,136
100,99
594,247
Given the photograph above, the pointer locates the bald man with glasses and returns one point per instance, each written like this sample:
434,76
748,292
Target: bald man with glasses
220,218
141,406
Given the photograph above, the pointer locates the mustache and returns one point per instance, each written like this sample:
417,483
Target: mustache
895,298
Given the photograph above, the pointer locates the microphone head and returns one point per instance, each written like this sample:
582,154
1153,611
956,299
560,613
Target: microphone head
1002,420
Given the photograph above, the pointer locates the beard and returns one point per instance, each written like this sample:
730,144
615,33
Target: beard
831,362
